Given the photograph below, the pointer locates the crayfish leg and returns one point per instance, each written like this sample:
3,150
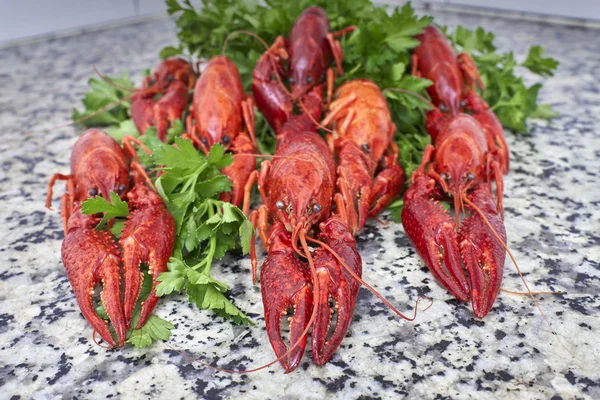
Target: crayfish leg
432,231
240,170
387,186
483,255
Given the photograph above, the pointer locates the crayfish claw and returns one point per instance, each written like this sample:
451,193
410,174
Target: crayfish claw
92,258
482,253
432,231
285,287
337,288
147,238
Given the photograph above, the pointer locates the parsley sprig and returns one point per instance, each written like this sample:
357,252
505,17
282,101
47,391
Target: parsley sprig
506,93
100,95
207,228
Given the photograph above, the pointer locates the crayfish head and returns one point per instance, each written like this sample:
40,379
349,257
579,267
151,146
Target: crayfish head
99,166
170,70
447,86
305,71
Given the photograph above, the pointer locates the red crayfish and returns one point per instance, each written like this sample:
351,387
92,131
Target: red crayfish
216,116
91,257
297,191
309,52
364,142
170,81
468,153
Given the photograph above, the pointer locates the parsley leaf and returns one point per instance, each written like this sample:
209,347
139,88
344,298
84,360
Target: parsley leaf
125,128
154,329
98,204
506,93
102,94
207,228
537,64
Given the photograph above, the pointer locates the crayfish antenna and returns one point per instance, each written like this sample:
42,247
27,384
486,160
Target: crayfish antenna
473,206
527,293
245,32
369,287
110,81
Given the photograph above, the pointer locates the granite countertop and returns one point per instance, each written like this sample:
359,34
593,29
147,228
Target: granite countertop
552,206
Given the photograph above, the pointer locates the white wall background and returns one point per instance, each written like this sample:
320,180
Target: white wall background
20,19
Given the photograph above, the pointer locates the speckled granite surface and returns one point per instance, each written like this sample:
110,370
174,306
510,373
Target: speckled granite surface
552,219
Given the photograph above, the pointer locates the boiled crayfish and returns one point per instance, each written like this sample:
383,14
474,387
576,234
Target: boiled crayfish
468,154
297,189
217,112
364,143
309,51
163,97
91,257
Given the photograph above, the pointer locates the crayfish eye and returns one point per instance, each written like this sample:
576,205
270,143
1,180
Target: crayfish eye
309,79
226,139
463,104
169,78
291,80
316,208
93,192
445,177
204,141
121,188
365,147
470,176
279,204
443,108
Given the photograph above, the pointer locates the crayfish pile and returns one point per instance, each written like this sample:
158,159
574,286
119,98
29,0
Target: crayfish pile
316,188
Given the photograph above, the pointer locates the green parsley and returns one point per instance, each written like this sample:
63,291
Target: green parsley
506,93
207,228
101,95
111,209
